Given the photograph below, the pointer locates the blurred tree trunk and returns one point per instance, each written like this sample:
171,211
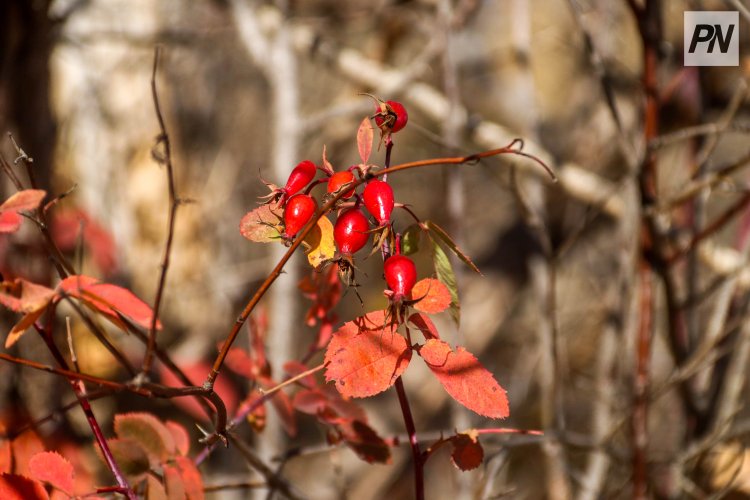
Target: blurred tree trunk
26,42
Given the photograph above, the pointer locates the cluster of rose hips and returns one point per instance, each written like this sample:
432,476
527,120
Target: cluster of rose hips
352,228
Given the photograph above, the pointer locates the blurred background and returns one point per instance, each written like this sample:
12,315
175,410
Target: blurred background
250,88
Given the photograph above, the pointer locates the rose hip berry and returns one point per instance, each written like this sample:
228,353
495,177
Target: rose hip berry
339,179
391,116
298,212
300,177
378,197
400,275
350,231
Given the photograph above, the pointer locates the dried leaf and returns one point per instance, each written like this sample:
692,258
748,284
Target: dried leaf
321,243
444,272
465,379
435,297
149,432
467,451
440,232
366,356
327,164
109,300
425,325
15,487
261,225
365,442
364,140
50,467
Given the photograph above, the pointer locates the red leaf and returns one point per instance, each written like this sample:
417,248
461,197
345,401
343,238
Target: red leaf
6,460
294,368
240,363
50,467
433,296
425,325
28,199
467,451
66,231
364,140
365,442
366,356
109,300
260,225
173,483
149,432
14,487
9,222
191,478
24,447
310,402
465,379
180,436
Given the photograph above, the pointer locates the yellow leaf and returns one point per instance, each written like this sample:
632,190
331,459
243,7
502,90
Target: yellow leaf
320,243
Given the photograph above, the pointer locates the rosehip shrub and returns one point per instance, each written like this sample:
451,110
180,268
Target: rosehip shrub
350,231
339,179
378,198
298,212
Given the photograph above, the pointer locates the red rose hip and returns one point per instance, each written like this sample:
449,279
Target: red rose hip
378,197
350,231
400,275
339,179
300,177
391,115
298,212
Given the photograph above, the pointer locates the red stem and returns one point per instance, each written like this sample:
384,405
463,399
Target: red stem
413,441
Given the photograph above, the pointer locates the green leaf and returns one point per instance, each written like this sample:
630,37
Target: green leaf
444,272
410,239
440,232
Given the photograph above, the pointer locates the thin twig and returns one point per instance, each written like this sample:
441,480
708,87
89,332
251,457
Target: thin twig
162,138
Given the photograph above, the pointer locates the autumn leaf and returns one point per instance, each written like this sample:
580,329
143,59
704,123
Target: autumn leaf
50,467
108,300
180,436
130,456
70,226
365,442
321,243
465,379
366,356
364,140
149,432
15,487
261,225
467,451
24,297
432,295
25,200
191,478
425,325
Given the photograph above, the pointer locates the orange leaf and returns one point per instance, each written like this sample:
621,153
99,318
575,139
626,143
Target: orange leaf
465,379
180,436
14,487
467,451
191,478
435,296
108,300
26,297
24,447
6,460
28,199
425,325
366,356
50,467
364,140
173,482
130,456
259,225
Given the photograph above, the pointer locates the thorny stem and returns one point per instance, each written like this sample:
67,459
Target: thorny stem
163,138
413,441
276,272
80,393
